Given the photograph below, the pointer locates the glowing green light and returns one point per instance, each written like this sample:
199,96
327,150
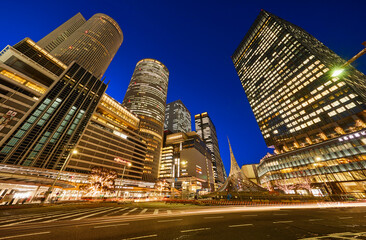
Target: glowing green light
337,72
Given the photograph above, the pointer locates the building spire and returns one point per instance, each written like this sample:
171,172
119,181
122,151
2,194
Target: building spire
237,181
234,167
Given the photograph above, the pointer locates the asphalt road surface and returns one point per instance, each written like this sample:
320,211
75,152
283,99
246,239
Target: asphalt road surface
344,221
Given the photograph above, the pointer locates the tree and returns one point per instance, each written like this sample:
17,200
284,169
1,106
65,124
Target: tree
101,180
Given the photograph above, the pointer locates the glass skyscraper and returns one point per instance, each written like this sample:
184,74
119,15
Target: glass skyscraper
301,110
207,131
48,101
177,117
92,44
146,97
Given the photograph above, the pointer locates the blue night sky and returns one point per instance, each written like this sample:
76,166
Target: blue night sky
195,40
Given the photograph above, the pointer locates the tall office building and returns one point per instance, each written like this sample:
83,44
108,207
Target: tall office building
45,105
186,162
146,97
207,131
92,44
314,121
53,126
57,36
177,117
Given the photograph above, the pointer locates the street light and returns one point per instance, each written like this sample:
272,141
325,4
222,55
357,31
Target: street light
125,163
338,71
49,191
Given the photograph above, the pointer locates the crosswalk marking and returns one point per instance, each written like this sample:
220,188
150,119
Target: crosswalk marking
143,211
78,214
21,217
48,216
120,210
34,219
92,214
73,215
132,210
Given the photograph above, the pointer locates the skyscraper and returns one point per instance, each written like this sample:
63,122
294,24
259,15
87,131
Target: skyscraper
53,126
207,131
57,36
49,102
301,109
92,44
146,97
177,117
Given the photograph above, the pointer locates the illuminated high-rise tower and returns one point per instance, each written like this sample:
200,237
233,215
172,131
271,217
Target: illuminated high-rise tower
207,131
146,97
315,120
57,36
50,100
92,44
177,117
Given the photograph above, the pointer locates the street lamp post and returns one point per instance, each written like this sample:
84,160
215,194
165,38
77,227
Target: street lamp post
125,163
49,191
354,58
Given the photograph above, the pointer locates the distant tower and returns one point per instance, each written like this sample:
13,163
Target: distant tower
92,44
207,131
146,97
177,117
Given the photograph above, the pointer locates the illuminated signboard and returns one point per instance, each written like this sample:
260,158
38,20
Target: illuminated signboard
120,160
7,118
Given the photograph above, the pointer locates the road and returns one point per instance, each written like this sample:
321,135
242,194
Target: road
344,221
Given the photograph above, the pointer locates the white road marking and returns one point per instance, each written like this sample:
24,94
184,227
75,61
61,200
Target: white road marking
132,210
242,225
120,210
345,217
72,215
315,219
24,235
213,217
143,211
146,236
194,230
253,215
169,211
156,211
92,214
29,216
114,225
171,220
35,219
284,222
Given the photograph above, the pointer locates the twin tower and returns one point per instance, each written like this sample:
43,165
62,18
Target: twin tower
82,50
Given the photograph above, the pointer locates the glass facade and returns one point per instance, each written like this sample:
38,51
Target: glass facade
92,44
207,131
186,158
177,117
146,97
55,124
287,76
112,132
